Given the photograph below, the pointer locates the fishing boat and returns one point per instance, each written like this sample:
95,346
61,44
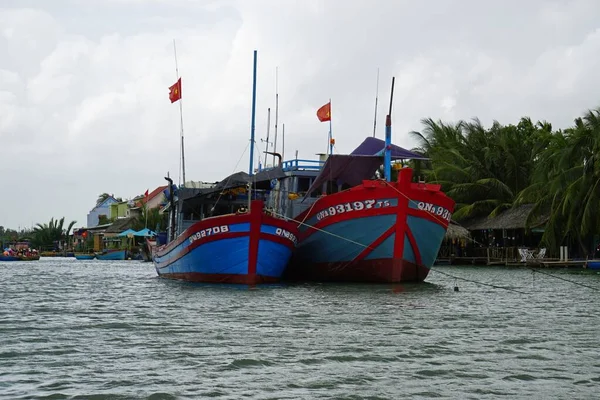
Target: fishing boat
356,227
111,254
84,256
18,258
224,234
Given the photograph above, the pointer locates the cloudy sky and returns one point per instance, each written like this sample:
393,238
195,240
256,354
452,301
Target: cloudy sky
84,105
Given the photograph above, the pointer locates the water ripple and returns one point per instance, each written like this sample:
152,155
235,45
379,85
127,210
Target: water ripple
102,330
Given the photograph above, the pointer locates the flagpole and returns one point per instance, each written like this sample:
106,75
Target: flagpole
376,98
180,117
330,133
276,113
250,171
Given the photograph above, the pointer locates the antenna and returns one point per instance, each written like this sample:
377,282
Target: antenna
267,141
387,159
376,98
276,110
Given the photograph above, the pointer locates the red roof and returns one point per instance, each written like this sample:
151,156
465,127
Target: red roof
151,195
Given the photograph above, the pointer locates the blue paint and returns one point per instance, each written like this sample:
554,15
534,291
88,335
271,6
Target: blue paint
245,227
325,247
227,256
269,258
428,236
392,202
250,172
408,254
384,250
111,255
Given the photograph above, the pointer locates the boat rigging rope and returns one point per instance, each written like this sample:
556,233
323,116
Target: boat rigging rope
564,279
476,282
228,179
321,230
481,244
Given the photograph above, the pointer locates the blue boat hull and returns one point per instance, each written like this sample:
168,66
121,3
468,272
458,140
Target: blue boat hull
112,255
85,256
17,258
250,248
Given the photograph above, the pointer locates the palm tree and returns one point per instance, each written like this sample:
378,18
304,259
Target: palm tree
101,198
566,184
46,235
483,170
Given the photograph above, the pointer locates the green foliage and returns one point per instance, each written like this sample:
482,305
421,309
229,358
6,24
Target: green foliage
487,171
46,235
155,218
482,169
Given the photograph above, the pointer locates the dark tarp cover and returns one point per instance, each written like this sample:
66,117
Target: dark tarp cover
359,165
372,146
350,169
241,178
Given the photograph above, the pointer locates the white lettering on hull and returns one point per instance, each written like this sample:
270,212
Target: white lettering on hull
435,210
353,206
215,230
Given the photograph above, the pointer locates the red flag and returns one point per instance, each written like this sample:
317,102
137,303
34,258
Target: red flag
324,113
175,91
146,193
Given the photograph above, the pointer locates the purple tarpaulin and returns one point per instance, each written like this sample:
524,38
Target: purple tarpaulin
372,146
359,165
350,169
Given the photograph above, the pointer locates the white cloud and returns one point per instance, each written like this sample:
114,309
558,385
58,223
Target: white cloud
84,101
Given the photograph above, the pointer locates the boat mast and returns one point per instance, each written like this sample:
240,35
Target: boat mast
282,141
250,171
182,161
267,141
276,112
376,98
387,159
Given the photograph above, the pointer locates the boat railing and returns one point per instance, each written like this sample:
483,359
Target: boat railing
305,165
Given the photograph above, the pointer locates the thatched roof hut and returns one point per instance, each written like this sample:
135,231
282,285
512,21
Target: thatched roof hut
456,231
513,218
120,225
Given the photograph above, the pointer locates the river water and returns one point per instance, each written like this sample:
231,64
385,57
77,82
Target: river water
113,330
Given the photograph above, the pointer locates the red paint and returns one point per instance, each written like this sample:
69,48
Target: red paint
255,221
230,219
394,269
222,278
334,219
415,248
367,250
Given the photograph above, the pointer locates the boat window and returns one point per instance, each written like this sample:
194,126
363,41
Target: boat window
303,184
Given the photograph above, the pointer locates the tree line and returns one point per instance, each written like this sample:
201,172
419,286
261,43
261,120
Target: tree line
489,170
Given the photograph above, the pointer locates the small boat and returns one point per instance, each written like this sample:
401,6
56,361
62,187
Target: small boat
111,255
592,264
84,256
147,248
18,258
